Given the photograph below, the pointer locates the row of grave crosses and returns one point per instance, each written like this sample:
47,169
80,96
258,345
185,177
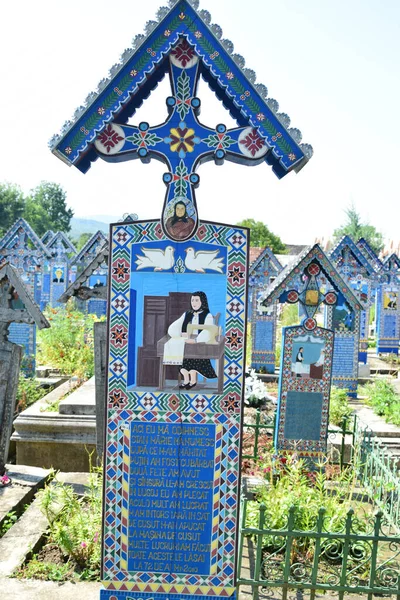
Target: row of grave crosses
367,280
47,267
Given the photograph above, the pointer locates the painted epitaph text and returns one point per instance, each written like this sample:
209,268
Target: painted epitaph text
174,402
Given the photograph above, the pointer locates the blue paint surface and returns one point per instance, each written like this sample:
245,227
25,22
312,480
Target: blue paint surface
389,326
145,283
343,357
303,415
171,497
264,336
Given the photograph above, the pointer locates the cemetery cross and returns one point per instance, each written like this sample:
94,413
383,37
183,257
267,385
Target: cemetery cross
182,143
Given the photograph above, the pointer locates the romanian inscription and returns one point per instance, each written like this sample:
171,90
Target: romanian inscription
171,497
343,356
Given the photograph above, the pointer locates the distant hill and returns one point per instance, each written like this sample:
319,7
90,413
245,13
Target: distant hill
85,225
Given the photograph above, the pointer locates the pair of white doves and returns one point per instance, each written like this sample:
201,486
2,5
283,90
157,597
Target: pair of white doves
162,260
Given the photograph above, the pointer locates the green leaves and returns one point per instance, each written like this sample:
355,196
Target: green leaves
183,94
213,141
149,140
181,183
261,236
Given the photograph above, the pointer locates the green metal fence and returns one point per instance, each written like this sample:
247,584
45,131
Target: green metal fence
378,473
344,561
256,433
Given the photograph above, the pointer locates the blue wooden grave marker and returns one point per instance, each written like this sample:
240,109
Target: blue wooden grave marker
358,272
388,307
264,269
57,277
98,277
178,303
312,281
23,249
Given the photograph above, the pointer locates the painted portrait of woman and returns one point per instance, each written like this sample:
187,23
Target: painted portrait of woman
198,314
180,226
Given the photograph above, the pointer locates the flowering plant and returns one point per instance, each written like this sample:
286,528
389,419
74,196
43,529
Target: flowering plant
5,480
255,394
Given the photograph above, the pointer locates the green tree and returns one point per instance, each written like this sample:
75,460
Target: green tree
356,230
12,204
47,208
261,236
81,241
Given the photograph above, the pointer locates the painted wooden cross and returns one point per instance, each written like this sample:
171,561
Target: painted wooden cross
182,143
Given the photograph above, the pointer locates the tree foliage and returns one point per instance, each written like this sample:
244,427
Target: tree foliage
356,230
81,241
12,205
261,236
45,208
50,205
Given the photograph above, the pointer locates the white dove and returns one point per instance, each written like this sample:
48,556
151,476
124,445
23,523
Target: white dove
202,260
155,258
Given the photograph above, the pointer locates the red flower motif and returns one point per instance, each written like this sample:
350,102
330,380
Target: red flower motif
183,52
109,137
253,142
182,139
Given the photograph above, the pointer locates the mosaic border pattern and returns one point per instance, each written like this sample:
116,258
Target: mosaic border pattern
123,406
305,447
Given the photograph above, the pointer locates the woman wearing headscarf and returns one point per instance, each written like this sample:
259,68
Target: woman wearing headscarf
180,226
198,314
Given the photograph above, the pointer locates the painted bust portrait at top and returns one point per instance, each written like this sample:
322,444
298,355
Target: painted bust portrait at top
180,225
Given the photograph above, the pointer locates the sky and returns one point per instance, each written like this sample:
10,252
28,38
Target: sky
332,66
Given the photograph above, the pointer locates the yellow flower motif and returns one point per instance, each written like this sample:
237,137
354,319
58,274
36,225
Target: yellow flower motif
182,139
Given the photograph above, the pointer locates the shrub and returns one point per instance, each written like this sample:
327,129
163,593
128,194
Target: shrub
339,408
382,397
75,523
290,483
29,391
68,345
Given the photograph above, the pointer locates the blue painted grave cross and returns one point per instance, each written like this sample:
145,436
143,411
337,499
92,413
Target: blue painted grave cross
23,249
312,281
166,393
388,306
369,253
182,143
358,272
98,277
56,280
